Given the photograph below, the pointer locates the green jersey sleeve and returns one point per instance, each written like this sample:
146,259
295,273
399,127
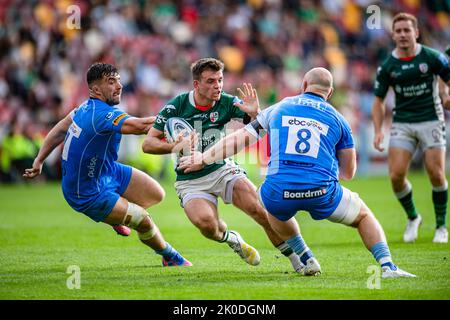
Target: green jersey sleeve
381,86
441,65
168,111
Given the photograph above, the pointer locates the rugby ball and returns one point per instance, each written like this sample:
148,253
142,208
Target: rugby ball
174,126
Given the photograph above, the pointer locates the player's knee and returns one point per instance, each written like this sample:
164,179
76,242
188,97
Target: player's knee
145,225
146,229
207,225
134,216
397,178
158,195
161,194
437,177
155,197
360,217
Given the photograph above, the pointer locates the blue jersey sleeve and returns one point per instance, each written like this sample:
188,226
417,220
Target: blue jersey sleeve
346,141
110,121
264,116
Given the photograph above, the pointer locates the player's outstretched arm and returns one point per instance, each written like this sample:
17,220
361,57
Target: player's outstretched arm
250,100
51,141
135,125
378,112
154,144
224,148
347,163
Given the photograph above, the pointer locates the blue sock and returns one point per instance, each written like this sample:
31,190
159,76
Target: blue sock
381,253
167,252
299,246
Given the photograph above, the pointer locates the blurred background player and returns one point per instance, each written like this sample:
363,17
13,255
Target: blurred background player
92,181
307,136
208,109
412,70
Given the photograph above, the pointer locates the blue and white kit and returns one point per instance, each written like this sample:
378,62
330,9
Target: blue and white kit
92,180
305,132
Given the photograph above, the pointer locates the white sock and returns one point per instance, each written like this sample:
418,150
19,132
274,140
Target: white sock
295,261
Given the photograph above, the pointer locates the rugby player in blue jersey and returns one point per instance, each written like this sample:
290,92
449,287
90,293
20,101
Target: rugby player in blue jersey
93,182
311,147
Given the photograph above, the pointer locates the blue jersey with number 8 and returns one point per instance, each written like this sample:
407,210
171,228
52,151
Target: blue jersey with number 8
305,133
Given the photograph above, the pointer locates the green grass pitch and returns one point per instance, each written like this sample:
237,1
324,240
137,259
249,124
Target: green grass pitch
41,236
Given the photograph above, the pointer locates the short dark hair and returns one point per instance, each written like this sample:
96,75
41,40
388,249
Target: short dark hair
403,16
205,64
99,70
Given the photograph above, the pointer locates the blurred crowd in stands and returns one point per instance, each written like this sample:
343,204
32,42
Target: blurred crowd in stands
47,46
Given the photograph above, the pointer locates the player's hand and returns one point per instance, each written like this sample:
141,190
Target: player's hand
446,102
34,171
186,144
250,101
378,140
193,162
150,120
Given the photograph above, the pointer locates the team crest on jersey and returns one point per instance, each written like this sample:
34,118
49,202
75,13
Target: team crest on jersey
423,67
109,115
214,116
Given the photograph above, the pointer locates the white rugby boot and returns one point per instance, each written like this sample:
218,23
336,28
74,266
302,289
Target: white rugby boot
312,268
412,229
441,235
244,250
388,272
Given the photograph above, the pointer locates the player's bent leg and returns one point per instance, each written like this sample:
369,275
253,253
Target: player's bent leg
203,214
134,216
289,231
399,161
143,190
352,211
368,227
245,198
434,159
150,235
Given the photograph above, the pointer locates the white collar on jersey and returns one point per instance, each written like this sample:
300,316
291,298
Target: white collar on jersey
191,98
418,49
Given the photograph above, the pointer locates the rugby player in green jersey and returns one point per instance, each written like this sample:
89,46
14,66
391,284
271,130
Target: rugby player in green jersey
208,109
412,70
